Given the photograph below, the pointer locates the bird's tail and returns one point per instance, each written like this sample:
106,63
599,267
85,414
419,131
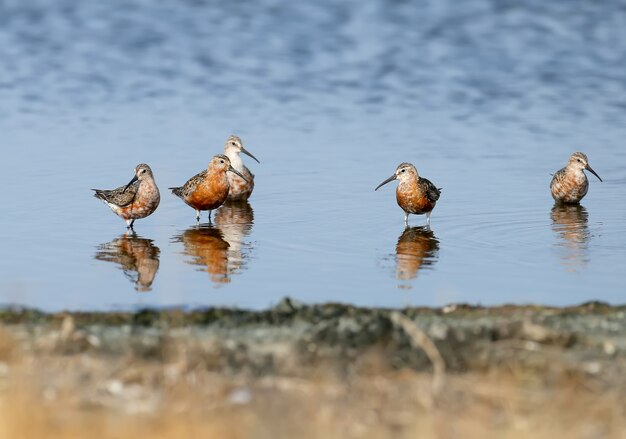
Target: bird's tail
98,194
178,191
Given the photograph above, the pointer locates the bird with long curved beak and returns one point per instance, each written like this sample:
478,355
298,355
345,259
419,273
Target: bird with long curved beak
208,189
414,194
240,188
138,199
570,184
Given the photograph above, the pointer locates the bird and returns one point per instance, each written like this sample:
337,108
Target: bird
208,189
240,189
570,184
414,194
138,199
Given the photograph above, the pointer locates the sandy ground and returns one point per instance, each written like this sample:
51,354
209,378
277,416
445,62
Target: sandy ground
315,371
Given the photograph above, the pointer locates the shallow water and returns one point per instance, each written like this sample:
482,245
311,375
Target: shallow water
486,98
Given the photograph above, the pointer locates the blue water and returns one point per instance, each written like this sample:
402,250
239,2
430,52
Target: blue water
486,98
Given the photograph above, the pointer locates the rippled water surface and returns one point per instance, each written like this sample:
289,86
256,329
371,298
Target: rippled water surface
486,98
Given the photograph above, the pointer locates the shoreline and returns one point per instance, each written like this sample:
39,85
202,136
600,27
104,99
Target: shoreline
300,370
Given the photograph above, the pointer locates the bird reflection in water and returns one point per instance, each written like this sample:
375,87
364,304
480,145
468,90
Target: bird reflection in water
417,249
137,257
220,248
569,222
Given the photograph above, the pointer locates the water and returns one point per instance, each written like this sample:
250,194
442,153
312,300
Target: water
486,98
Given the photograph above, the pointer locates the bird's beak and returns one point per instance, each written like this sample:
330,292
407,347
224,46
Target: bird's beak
131,182
234,171
249,154
392,178
588,168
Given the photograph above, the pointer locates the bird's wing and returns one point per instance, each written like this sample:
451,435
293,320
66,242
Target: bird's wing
559,177
121,196
191,184
247,173
431,190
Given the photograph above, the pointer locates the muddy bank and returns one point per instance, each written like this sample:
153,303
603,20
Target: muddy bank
315,371
293,337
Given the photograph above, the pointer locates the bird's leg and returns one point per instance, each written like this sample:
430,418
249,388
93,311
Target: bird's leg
197,216
210,211
128,224
131,225
406,219
428,219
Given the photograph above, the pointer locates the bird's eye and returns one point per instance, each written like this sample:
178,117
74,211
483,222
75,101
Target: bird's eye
403,170
233,143
221,161
579,160
143,171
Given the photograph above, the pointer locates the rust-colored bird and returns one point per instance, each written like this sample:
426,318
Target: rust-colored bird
240,188
208,189
414,194
138,199
570,184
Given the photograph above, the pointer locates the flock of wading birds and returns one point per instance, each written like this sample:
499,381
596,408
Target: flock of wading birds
228,179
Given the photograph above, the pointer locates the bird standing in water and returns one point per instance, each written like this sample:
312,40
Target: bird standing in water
240,188
570,184
414,194
138,199
208,189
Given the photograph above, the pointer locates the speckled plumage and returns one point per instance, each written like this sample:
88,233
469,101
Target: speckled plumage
240,189
415,195
138,199
570,184
208,189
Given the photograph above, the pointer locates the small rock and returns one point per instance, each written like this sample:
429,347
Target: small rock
115,387
609,348
532,346
541,334
288,305
240,396
439,332
592,368
93,340
449,308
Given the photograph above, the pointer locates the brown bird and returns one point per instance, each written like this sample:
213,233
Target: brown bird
414,194
570,184
138,199
240,189
208,189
